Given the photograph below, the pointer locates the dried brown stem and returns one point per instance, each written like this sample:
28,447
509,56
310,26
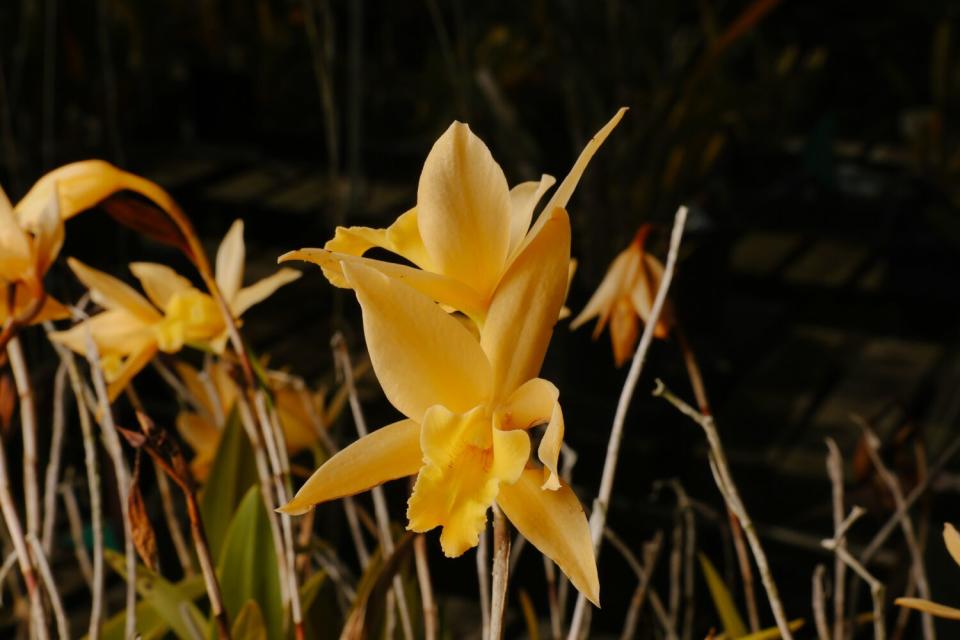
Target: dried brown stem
426,588
835,472
483,581
651,553
598,516
28,432
43,567
52,476
877,590
500,575
819,603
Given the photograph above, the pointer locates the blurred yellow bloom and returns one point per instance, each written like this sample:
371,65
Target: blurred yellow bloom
300,411
469,405
952,540
131,329
625,295
27,249
467,229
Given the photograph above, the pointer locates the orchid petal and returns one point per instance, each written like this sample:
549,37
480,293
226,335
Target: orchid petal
926,606
385,454
159,281
952,540
230,259
116,332
111,293
131,366
402,238
523,200
464,464
535,402
614,284
420,354
526,305
438,287
261,290
463,209
554,522
624,331
48,237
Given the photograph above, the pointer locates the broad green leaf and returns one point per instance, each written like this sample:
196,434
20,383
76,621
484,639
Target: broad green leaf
367,613
163,604
729,616
232,473
248,564
249,623
318,597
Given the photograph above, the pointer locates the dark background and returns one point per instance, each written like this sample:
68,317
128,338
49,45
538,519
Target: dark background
816,143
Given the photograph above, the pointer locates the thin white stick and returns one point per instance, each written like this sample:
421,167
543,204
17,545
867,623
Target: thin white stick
876,587
598,517
43,567
835,472
426,588
819,604
75,523
500,576
52,477
28,426
731,495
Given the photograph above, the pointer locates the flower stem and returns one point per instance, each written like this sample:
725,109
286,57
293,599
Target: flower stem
28,426
52,476
500,575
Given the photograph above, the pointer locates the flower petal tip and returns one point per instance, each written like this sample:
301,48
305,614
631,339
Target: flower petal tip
293,509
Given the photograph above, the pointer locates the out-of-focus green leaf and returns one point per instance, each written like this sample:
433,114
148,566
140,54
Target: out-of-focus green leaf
163,604
248,565
318,597
249,623
770,633
232,473
368,609
729,616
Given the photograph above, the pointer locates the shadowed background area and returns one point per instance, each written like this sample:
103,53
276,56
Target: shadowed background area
816,144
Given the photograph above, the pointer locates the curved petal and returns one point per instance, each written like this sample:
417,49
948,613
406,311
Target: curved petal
614,284
561,197
624,331
111,293
523,200
464,463
48,237
952,540
926,606
385,454
535,402
644,291
129,369
402,238
230,258
159,281
116,332
463,209
554,522
526,305
261,290
421,355
433,285
79,185
14,246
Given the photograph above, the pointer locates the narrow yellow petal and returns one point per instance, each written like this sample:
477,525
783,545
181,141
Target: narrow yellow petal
549,449
463,209
159,281
385,454
561,197
465,462
116,332
14,246
523,200
952,539
614,285
554,522
531,404
421,355
437,287
933,608
230,258
48,237
111,293
261,290
129,369
402,238
624,330
526,305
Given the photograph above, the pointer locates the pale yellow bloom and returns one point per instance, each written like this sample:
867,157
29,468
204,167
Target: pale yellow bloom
625,297
468,407
27,249
952,541
131,329
214,392
466,230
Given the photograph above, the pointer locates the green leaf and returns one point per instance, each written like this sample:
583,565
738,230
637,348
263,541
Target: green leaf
318,597
249,623
232,473
248,564
163,604
727,610
367,613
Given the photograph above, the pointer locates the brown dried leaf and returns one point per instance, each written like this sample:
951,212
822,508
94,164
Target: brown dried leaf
8,401
144,538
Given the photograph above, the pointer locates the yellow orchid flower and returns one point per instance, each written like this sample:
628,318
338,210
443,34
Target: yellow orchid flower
625,295
952,541
466,230
27,249
469,405
132,328
202,426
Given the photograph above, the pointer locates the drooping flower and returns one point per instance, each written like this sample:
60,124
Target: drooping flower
469,405
952,541
131,329
466,230
27,249
625,298
214,392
